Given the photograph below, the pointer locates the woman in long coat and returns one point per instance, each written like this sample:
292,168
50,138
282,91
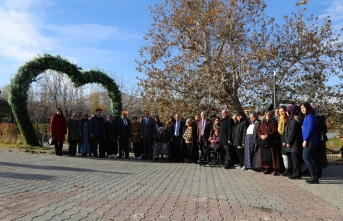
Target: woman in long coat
136,140
73,134
269,155
111,137
58,130
189,142
320,151
169,127
293,139
250,145
84,141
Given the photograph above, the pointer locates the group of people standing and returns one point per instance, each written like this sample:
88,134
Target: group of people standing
95,136
270,143
283,139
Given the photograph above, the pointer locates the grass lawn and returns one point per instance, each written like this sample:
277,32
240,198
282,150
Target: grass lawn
335,142
22,146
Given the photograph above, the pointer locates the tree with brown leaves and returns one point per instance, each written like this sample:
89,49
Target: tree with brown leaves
213,54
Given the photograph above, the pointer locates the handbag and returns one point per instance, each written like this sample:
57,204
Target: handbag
263,143
51,141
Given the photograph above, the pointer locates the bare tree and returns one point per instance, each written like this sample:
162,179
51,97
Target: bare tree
55,90
4,91
131,92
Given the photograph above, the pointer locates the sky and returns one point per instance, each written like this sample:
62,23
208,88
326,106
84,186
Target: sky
106,34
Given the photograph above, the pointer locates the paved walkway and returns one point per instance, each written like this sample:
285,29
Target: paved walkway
46,187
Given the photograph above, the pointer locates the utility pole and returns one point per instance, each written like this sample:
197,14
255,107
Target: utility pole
274,91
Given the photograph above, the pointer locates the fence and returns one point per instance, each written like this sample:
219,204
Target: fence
333,157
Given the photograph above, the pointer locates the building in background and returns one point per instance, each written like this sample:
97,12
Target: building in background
6,114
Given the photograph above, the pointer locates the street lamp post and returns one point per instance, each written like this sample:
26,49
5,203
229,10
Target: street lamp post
274,90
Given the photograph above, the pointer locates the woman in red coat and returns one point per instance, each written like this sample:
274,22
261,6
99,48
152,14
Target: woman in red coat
269,154
58,130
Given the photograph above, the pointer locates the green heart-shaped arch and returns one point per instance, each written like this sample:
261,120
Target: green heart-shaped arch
28,73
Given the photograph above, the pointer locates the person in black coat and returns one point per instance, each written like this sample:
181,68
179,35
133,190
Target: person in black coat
294,139
320,151
225,138
73,134
147,134
175,135
239,138
123,130
98,134
111,137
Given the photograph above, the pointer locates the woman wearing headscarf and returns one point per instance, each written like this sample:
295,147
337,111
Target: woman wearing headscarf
250,144
268,145
287,161
84,141
293,139
310,140
58,130
320,151
73,134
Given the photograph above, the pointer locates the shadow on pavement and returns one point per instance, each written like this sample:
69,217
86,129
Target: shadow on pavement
25,176
331,181
57,168
337,179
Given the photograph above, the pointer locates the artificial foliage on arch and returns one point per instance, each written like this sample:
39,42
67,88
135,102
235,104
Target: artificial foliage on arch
28,73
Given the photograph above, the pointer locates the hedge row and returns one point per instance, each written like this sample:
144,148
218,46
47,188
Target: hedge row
9,133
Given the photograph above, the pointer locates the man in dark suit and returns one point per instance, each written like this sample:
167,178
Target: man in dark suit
176,137
225,138
97,131
123,130
147,134
204,129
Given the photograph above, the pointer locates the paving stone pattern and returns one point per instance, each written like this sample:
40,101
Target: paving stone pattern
47,187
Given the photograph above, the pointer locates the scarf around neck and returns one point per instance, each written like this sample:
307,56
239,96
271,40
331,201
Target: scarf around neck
281,124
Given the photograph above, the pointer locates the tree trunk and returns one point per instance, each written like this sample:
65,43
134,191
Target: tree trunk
236,105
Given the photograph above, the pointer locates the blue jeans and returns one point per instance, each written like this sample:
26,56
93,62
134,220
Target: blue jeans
308,156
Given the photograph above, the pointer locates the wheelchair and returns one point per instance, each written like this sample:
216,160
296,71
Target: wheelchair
214,158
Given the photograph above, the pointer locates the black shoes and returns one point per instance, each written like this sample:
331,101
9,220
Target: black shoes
294,177
229,167
287,172
312,180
